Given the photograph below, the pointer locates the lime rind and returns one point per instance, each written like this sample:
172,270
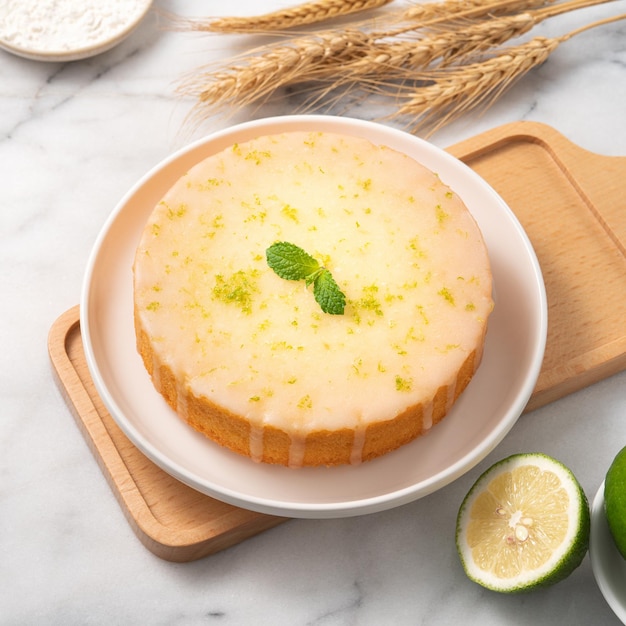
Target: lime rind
615,500
565,558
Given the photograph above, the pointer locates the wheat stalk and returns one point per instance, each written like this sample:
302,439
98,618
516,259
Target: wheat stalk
318,11
451,8
277,21
257,73
388,62
262,74
460,88
394,59
399,59
454,91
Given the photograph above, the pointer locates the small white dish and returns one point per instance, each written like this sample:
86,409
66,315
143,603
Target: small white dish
58,32
608,565
481,418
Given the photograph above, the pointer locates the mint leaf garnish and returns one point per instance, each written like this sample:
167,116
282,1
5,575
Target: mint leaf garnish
327,293
292,263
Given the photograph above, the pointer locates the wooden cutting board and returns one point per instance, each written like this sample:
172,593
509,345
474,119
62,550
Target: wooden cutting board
570,202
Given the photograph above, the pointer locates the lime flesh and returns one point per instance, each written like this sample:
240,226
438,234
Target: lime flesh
615,500
523,525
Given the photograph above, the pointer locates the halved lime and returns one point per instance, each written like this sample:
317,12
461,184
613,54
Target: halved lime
524,524
615,500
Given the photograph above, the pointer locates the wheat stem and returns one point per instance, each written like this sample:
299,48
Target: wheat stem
603,22
452,8
443,12
566,7
284,19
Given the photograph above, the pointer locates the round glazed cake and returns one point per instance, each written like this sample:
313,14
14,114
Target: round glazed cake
258,361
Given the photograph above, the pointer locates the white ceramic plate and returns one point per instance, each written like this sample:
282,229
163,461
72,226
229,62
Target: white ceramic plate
85,30
481,418
609,567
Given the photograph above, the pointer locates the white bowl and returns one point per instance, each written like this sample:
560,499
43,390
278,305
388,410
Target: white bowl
609,566
60,48
484,414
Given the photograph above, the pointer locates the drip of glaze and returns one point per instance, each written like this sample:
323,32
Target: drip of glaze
479,354
296,451
156,373
450,395
427,416
358,443
182,405
256,443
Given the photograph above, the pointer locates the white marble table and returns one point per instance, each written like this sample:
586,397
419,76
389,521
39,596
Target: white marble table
73,138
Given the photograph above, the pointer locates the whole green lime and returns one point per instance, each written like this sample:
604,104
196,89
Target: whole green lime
615,500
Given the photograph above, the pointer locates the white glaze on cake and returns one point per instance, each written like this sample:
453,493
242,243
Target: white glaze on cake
400,244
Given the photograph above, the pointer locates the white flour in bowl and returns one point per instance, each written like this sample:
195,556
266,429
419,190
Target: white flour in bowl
57,26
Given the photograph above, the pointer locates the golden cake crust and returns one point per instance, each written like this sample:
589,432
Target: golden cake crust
322,447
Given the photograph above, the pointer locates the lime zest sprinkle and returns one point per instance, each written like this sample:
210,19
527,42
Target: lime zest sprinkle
305,402
238,289
403,384
446,294
258,156
370,301
290,213
442,216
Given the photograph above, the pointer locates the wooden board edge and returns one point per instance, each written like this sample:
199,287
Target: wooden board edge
163,541
579,374
490,140
194,550
579,166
